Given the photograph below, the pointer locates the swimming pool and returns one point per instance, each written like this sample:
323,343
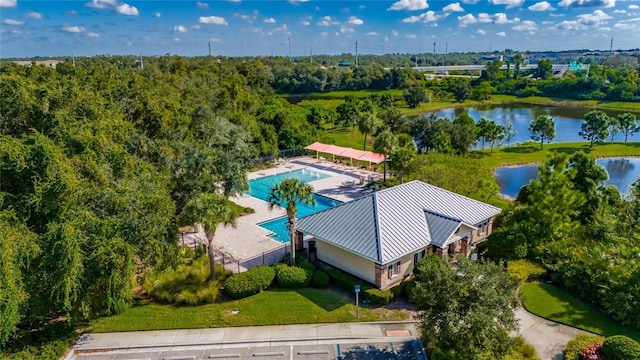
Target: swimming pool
261,187
279,225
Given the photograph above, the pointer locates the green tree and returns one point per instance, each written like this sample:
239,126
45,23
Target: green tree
482,130
386,101
494,134
509,130
462,91
468,309
595,127
288,194
518,61
544,70
628,125
614,126
463,133
385,144
393,120
415,95
210,210
405,153
542,128
348,114
367,123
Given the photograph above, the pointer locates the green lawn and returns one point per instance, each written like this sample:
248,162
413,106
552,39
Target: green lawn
555,304
531,153
272,307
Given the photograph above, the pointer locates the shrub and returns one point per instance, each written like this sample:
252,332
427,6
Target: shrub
320,279
575,345
292,277
523,270
186,284
523,350
408,289
592,352
347,283
620,347
250,282
309,268
278,266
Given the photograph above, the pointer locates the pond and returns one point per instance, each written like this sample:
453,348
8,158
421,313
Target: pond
568,119
622,173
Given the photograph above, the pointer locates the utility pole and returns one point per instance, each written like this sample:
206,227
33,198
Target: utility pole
434,48
611,46
490,44
141,63
446,48
356,54
73,60
209,48
289,39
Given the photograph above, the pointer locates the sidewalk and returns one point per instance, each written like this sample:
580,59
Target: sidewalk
244,337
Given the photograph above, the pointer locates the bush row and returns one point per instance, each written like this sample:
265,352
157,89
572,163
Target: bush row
250,282
617,347
525,270
367,292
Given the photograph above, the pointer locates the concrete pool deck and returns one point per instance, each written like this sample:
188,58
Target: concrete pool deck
249,240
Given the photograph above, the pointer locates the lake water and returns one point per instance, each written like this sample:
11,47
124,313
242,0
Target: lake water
622,173
568,119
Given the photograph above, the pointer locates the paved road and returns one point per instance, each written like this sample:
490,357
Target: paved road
384,340
547,337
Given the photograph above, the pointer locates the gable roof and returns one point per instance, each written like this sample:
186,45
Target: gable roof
391,223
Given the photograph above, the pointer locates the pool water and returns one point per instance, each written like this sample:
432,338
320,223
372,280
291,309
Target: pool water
261,188
279,225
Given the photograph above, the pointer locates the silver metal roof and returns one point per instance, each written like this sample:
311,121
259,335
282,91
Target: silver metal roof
441,227
391,223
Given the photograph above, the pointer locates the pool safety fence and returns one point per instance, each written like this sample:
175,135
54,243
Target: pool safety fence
234,265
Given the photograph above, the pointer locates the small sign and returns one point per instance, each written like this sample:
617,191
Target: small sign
357,288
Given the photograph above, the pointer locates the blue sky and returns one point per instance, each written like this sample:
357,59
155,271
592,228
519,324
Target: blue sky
259,27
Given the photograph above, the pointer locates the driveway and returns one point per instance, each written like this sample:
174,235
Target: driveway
547,337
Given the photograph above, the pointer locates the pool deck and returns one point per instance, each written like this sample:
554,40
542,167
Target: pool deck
248,240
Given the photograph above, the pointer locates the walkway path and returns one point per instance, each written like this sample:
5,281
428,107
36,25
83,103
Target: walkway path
547,337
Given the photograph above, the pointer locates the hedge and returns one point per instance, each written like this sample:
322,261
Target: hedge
368,293
523,270
320,279
575,345
250,282
620,347
292,277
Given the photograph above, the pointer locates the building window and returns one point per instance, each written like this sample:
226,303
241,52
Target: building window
394,269
458,229
482,228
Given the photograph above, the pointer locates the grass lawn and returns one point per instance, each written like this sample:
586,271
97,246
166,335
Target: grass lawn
531,153
553,303
272,307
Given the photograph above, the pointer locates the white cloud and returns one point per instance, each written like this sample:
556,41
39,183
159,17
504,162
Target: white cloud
556,15
196,26
346,30
126,9
616,11
176,39
33,15
634,7
73,29
570,25
371,33
453,7
527,25
115,5
215,20
593,19
326,21
509,3
12,22
8,3
409,5
394,32
498,18
470,1
324,33
587,3
297,1
501,34
304,22
362,7
410,36
93,35
355,21
630,20
180,28
466,20
622,26
429,16
202,5
547,22
541,6
157,14
480,32
270,20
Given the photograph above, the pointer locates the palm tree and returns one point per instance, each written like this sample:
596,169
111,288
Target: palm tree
367,123
518,60
290,192
210,210
385,144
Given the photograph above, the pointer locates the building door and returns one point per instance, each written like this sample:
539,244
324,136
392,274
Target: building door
312,251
